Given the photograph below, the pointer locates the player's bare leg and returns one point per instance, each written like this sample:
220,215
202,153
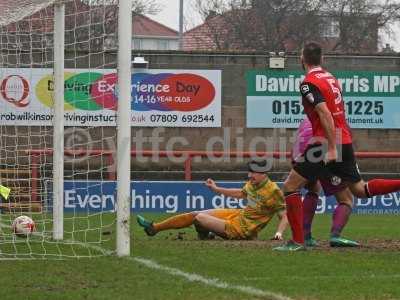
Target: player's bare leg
211,223
220,213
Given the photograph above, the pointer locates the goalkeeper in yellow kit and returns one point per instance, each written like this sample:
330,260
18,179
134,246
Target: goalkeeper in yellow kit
264,200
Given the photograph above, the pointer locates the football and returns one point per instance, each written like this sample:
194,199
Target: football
23,226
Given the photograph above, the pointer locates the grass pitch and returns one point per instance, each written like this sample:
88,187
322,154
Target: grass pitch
181,267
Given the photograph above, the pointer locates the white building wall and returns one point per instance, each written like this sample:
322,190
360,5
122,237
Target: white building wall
155,44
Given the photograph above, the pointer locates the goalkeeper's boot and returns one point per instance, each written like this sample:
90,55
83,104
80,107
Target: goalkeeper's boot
337,241
310,242
147,225
290,246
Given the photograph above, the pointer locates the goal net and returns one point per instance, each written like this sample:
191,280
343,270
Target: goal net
27,126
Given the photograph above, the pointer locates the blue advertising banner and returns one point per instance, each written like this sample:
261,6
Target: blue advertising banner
181,196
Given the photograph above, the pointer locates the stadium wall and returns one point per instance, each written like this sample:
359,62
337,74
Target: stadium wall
234,67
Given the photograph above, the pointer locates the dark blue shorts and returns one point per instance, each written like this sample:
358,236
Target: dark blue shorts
312,166
330,189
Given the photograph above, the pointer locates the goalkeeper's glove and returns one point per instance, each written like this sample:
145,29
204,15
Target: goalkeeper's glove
277,237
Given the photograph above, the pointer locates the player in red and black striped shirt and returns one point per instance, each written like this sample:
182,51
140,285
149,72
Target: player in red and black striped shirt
330,155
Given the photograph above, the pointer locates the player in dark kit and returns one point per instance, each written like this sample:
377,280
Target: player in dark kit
330,155
341,192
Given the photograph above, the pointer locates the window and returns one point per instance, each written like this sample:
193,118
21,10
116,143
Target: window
163,45
137,44
330,28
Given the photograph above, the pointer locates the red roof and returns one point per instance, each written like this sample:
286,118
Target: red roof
198,38
143,25
218,33
210,35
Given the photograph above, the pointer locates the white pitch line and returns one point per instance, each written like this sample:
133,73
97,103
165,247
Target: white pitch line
192,277
214,282
361,276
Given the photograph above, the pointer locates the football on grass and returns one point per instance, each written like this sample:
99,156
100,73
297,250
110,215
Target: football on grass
23,226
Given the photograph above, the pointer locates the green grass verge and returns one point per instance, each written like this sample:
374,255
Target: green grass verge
366,273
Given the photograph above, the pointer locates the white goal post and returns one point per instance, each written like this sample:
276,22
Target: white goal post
124,128
58,122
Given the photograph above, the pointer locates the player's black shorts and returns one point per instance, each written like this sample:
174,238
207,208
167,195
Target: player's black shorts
312,166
